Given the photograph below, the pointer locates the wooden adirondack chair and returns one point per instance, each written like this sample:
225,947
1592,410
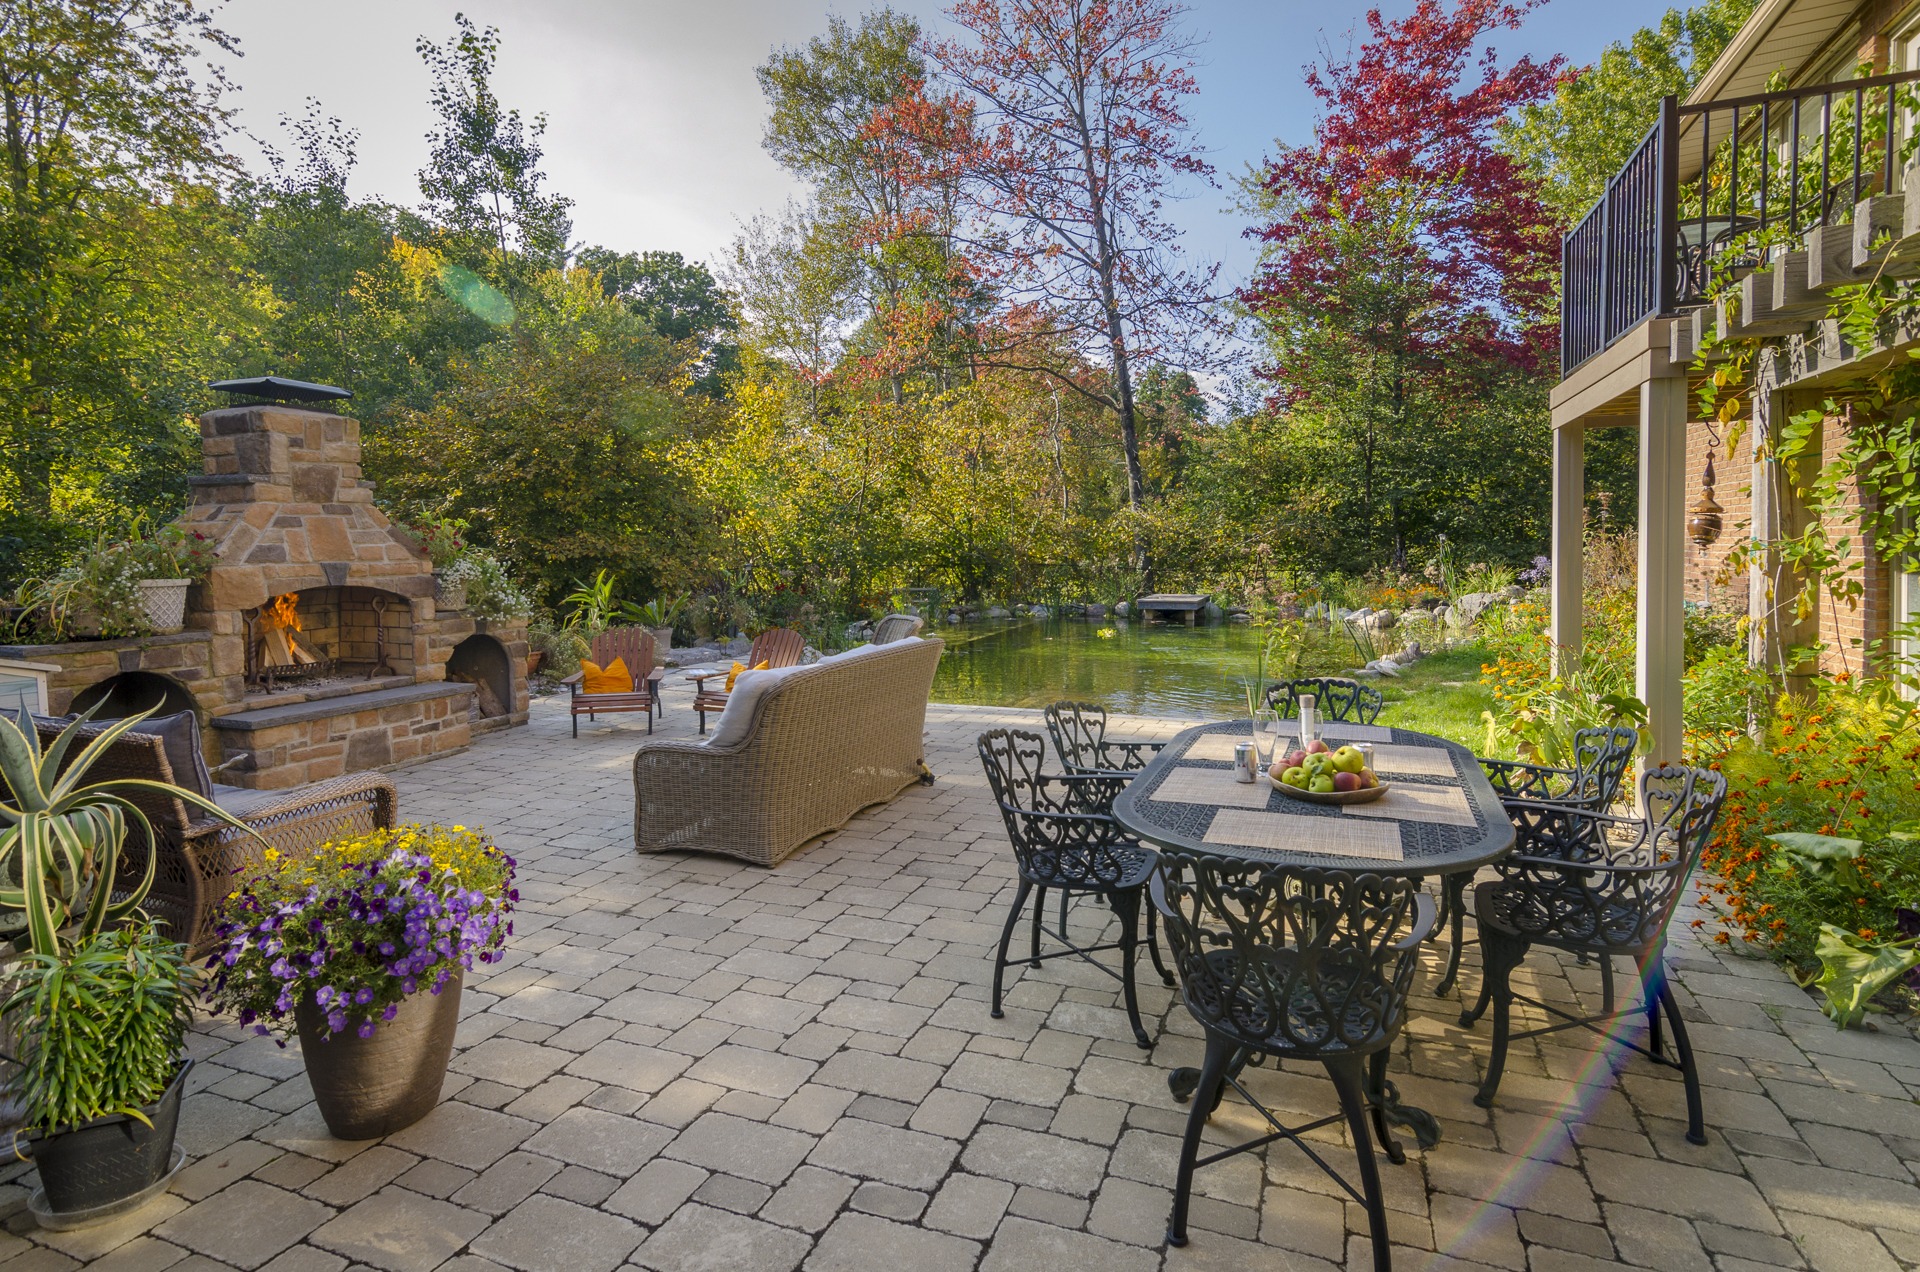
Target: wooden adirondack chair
776,647
634,647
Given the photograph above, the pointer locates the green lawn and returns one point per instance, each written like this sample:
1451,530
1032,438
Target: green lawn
1441,694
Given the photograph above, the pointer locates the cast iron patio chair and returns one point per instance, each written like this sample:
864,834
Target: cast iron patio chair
1079,732
1335,698
1064,837
776,647
1299,964
633,646
1597,884
1601,757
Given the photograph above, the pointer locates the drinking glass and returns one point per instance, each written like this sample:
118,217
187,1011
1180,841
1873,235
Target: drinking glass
1266,734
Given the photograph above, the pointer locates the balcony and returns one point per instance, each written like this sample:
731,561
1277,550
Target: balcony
1717,190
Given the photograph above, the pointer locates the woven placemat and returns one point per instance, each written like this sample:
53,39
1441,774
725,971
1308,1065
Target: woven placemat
1290,832
1191,784
1217,746
1445,805
1343,731
1413,761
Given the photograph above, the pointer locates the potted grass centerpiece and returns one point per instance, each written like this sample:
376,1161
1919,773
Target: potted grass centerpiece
360,951
96,1005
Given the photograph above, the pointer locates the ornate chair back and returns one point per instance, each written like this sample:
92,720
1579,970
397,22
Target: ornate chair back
1061,826
633,646
1335,697
1588,880
1079,731
1288,960
777,647
1601,757
897,627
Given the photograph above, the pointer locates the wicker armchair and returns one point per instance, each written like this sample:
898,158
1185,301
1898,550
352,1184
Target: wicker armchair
1600,760
1298,964
776,647
1597,884
633,646
199,855
824,742
897,627
1334,697
1079,732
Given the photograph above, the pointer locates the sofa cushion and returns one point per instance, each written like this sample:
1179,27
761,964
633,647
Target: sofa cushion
179,736
737,720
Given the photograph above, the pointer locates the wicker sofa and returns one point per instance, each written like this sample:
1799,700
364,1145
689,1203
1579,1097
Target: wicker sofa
795,756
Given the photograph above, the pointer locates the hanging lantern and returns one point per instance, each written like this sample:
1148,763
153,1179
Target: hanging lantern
1704,519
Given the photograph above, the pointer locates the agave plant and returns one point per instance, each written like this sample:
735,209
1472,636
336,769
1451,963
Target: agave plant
61,836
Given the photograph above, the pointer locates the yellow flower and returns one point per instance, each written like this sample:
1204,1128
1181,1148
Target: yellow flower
273,854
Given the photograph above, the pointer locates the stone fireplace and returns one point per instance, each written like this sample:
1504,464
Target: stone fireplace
316,646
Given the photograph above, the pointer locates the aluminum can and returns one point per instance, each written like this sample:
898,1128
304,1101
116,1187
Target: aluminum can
1246,764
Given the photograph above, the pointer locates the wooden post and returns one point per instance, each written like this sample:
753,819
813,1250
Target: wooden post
1569,542
1660,635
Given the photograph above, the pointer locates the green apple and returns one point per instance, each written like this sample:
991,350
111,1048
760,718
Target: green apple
1348,760
1295,776
1322,785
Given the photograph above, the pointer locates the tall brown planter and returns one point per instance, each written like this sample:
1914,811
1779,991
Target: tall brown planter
369,1087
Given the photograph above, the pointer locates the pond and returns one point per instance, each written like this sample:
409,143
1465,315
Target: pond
1130,667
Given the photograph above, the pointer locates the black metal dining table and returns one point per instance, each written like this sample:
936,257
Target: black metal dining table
1440,818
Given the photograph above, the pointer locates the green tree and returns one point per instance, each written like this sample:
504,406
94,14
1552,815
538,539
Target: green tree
552,443
678,298
482,181
1575,142
115,293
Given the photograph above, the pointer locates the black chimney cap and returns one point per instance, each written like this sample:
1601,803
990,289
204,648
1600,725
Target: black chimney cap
274,388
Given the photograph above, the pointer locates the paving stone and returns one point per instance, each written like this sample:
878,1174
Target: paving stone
507,1183
245,1225
99,1239
1055,1208
1653,1239
809,1199
400,1231
746,1069
739,1147
903,1204
544,1233
703,1239
1828,1244
577,1183
656,1191
1696,1194
464,1135
875,1074
600,1141
1021,1245
862,1243
360,1176
1838,1194
730,1192
511,1062
1756,1247
869,1150
211,1173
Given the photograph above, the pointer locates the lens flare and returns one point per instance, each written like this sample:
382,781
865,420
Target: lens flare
476,295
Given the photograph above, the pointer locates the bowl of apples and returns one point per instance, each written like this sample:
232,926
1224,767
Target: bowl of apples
1319,774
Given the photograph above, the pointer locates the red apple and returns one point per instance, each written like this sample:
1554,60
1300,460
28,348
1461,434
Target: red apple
1346,781
1316,746
1294,760
1367,779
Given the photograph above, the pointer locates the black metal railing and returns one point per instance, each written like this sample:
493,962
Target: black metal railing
1714,187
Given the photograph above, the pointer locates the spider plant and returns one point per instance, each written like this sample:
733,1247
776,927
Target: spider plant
62,837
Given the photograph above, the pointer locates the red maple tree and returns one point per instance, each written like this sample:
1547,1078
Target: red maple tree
1402,134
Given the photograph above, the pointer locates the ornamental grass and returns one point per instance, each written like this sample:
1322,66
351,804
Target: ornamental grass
358,926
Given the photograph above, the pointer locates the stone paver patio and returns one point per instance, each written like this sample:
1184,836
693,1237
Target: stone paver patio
694,1065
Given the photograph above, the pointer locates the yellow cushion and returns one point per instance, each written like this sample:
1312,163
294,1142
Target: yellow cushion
738,668
613,678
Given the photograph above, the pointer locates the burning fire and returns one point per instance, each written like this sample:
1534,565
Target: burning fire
279,620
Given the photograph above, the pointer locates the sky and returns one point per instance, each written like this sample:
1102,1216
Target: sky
654,116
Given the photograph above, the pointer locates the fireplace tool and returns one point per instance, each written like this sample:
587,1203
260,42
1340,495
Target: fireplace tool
381,667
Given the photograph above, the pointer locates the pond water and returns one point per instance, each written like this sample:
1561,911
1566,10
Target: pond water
1130,667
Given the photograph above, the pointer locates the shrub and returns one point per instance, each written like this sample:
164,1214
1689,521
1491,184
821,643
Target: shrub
102,1025
492,593
1842,766
359,925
